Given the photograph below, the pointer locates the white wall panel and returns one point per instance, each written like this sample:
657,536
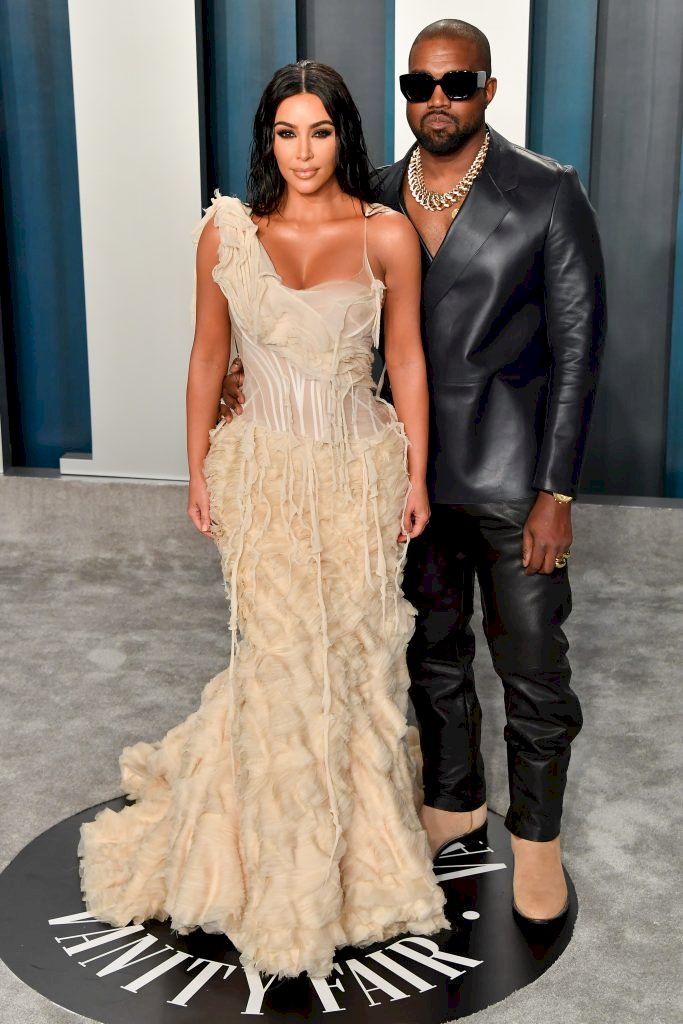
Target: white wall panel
506,23
135,93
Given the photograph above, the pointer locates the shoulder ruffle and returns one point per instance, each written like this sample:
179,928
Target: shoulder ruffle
230,216
235,272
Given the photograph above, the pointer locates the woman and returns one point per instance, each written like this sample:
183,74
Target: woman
282,812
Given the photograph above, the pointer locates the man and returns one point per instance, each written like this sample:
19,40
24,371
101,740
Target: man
513,322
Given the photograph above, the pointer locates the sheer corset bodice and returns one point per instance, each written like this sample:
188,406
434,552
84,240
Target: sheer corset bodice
307,353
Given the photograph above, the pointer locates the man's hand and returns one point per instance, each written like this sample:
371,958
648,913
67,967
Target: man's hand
232,398
547,534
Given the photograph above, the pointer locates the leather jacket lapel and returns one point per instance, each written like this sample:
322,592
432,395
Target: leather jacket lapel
482,213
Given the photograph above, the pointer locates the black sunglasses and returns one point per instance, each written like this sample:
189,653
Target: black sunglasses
418,86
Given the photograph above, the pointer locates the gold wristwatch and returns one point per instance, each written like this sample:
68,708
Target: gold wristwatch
562,499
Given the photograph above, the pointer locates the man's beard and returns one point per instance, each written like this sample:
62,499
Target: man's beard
443,141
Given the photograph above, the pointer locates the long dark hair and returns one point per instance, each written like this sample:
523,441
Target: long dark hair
354,172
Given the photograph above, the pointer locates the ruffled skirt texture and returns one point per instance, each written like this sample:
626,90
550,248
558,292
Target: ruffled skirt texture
282,813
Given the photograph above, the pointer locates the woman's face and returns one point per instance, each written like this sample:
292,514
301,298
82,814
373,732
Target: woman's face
304,143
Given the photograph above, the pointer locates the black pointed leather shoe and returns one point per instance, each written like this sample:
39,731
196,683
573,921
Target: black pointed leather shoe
475,835
539,922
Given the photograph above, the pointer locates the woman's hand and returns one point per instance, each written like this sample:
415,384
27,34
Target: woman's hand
416,514
198,505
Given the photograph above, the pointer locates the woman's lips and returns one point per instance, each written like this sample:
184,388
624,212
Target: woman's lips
308,173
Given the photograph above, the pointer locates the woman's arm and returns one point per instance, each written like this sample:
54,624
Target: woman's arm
208,363
398,250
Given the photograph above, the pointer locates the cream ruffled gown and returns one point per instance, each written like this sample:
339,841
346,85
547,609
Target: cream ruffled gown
282,812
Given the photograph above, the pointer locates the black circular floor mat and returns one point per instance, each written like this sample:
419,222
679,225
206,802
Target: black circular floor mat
148,974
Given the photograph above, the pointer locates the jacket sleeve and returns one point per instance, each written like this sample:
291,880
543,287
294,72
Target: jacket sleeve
576,319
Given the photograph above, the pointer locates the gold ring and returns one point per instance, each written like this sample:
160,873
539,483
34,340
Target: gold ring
560,562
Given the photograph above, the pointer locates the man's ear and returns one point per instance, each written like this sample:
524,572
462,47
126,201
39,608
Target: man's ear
490,89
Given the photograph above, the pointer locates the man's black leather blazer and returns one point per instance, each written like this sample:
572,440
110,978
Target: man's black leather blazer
513,321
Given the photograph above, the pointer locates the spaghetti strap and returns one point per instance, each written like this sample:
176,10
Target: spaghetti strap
367,266
369,210
366,261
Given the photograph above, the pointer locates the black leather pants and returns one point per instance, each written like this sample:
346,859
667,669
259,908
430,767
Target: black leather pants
523,617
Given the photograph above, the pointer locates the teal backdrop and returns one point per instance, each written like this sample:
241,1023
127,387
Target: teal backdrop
583,110
43,303
244,41
561,78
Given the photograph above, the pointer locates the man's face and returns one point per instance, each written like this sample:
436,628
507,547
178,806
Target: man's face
441,125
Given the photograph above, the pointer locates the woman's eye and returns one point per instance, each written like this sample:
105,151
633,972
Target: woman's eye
323,133
285,133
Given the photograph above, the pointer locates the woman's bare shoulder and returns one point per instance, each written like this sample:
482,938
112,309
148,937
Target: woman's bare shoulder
208,238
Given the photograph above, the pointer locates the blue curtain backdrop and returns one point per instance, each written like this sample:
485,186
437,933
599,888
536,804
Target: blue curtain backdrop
240,44
244,42
563,37
42,302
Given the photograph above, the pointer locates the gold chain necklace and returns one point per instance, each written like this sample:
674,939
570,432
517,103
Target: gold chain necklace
435,201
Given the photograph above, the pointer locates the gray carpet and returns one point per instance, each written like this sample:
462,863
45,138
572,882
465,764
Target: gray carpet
112,618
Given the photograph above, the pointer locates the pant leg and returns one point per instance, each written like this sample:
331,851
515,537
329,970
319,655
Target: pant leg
523,617
439,582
